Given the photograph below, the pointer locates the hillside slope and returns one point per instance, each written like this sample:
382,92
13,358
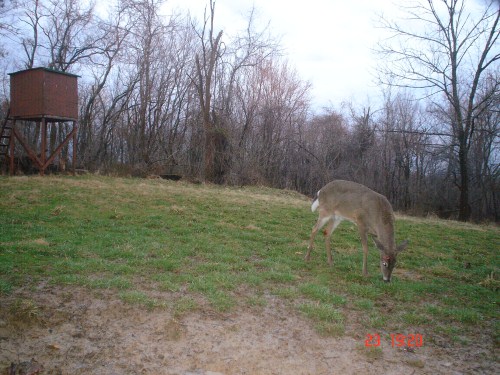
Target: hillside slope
109,275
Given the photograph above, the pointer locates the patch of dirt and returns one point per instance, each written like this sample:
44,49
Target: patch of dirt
75,331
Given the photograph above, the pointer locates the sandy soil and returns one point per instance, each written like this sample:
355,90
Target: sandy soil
76,331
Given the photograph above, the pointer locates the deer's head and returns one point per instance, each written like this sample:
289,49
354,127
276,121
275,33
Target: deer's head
388,258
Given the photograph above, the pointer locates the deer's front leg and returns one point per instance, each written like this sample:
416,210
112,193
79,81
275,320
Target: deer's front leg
364,243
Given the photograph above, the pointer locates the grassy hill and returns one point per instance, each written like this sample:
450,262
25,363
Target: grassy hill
183,247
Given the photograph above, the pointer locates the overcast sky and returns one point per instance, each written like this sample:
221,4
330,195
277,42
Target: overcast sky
329,42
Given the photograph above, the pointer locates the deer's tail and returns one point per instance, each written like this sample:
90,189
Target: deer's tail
315,203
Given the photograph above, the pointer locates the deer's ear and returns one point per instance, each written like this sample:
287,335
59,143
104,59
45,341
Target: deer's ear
379,244
402,246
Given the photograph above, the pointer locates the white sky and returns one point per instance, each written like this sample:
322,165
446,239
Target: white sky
329,42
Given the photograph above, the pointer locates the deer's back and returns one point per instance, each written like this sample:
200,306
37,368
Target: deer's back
356,202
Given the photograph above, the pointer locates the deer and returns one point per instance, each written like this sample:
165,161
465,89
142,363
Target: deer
371,212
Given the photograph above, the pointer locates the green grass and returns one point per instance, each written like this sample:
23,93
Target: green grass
142,299
186,247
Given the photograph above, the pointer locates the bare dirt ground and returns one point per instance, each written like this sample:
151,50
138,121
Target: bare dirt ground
77,331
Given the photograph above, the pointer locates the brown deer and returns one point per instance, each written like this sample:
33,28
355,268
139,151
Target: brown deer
370,211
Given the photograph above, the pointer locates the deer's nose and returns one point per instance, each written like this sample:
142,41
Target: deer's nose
387,280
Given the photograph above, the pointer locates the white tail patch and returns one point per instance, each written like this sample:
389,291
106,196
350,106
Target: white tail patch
315,205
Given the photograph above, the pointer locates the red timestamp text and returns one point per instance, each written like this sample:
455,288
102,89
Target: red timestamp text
397,340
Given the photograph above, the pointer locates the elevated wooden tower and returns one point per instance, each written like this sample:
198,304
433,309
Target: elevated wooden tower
42,96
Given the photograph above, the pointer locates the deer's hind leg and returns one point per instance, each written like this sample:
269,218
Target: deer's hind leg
332,225
322,220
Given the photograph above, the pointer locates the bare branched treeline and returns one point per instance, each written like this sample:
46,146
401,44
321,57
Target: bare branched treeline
166,94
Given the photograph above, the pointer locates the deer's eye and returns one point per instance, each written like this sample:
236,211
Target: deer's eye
385,264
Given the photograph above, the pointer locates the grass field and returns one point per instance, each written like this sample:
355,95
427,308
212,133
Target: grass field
227,248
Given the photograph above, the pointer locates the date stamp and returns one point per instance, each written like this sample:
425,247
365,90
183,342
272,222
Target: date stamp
398,340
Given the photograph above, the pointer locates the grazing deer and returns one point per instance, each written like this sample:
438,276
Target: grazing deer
370,211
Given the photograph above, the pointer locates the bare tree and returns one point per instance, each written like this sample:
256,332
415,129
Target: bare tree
450,52
32,18
206,60
8,18
114,32
323,144
283,108
68,29
485,158
401,137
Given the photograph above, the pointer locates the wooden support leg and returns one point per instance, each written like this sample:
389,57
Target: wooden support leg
75,128
57,151
27,147
11,148
44,146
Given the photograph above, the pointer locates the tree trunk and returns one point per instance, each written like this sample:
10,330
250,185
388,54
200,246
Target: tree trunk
463,205
217,159
205,74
